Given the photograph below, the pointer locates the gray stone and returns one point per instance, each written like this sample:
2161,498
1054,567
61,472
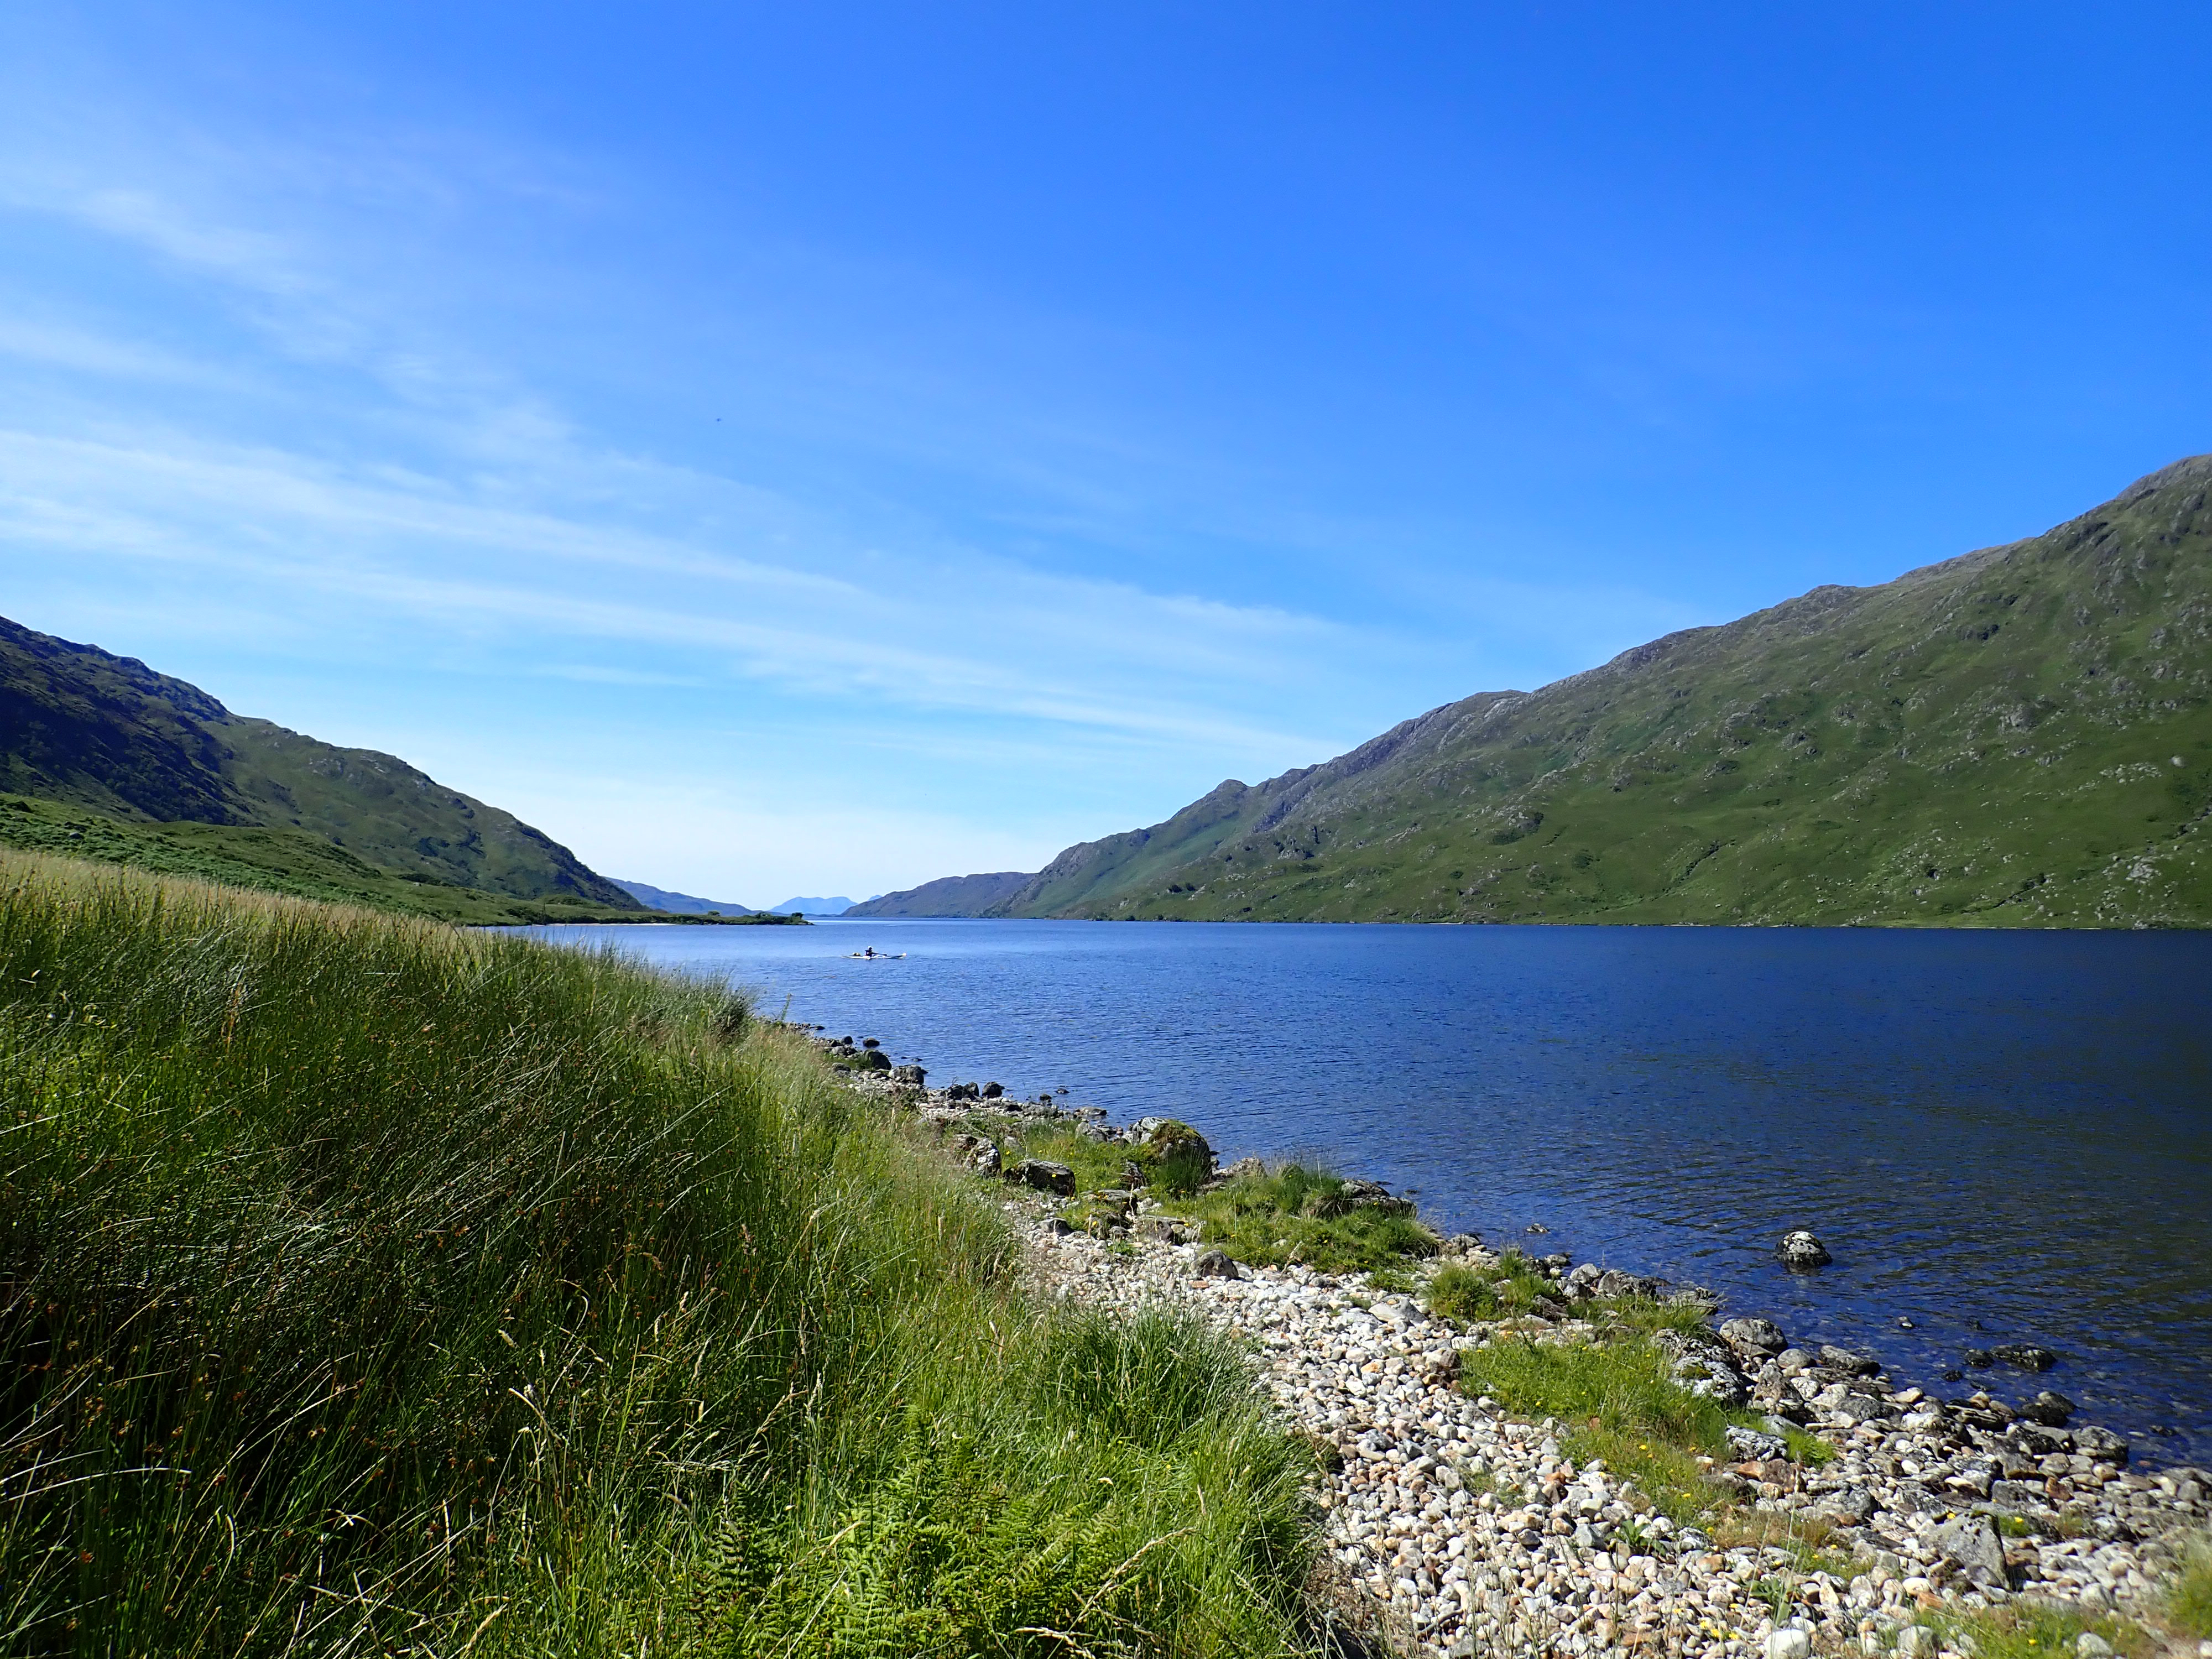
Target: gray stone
2017,1495
1753,1447
1787,1642
1167,1137
2052,1409
1910,1498
1373,1195
2090,1645
1043,1175
913,1074
1581,1284
1853,1506
994,1091
1800,1252
2025,1355
1753,1335
1168,1229
986,1161
1215,1264
2101,1444
1853,1409
1705,1367
1851,1363
1972,1543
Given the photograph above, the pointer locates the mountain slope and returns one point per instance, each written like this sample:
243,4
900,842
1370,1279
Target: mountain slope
2022,736
85,728
680,904
948,896
817,905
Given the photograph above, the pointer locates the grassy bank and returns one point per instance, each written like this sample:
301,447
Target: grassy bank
365,1286
1286,1212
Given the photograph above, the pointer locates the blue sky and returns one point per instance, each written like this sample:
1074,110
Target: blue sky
782,452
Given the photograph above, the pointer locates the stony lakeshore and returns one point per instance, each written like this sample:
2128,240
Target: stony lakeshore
1454,1529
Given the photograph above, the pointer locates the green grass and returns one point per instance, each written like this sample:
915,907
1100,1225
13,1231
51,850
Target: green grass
1618,1404
1098,1166
1468,1294
370,1287
295,862
1299,1212
1807,1448
1644,1316
2189,1598
2029,1629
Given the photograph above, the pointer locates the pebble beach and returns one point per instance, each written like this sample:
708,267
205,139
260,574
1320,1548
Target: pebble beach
1454,1527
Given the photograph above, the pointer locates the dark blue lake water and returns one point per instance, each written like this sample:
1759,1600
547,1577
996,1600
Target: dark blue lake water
2002,1136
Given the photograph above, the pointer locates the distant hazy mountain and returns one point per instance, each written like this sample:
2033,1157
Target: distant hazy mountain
948,896
812,906
107,735
680,904
2019,737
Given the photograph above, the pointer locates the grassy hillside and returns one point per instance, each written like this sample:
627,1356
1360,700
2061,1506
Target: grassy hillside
84,728
366,1286
680,904
2021,736
289,862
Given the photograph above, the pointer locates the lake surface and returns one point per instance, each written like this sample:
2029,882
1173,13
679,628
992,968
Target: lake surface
2002,1136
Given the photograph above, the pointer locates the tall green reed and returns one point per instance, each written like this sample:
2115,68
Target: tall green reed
366,1285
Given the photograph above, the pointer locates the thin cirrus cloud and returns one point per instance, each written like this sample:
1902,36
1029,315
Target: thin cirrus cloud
306,457
274,521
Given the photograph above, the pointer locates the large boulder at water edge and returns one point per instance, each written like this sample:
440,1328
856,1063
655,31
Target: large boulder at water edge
1800,1252
1167,1137
1753,1335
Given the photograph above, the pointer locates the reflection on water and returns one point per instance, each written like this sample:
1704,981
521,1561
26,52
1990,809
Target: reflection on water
2002,1136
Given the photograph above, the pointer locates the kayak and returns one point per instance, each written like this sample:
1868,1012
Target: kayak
876,956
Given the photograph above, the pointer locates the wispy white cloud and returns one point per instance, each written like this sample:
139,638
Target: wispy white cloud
375,460
986,638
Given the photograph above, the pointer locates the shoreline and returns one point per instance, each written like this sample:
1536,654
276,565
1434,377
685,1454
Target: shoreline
1452,1526
662,918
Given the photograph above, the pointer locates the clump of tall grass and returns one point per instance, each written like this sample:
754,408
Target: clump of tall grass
2189,1597
2035,1629
1621,1405
1297,1212
369,1286
1514,1285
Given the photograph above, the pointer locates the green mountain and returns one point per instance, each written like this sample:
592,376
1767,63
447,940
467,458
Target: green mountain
680,904
103,757
2019,737
948,896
